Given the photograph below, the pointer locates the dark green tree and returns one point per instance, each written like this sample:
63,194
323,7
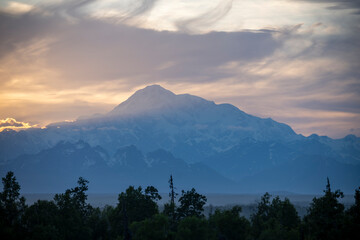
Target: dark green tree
228,224
152,193
135,205
139,204
99,222
275,219
12,207
191,204
74,212
156,227
325,216
114,219
193,228
76,197
41,220
285,213
352,219
260,218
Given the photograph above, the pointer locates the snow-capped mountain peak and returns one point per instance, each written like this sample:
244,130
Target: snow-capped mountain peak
240,146
150,98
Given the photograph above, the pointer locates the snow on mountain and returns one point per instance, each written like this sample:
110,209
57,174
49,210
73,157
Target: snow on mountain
56,168
189,126
186,125
233,143
149,99
185,109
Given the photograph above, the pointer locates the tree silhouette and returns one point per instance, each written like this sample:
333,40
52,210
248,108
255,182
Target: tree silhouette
12,206
41,220
352,218
228,224
74,212
170,208
275,219
191,204
69,216
156,227
139,204
192,228
325,216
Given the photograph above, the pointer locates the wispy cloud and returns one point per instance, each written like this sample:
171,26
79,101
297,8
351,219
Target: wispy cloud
205,20
17,8
59,61
339,4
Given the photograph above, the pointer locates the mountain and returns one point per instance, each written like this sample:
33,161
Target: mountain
190,127
300,166
57,168
210,139
305,174
148,100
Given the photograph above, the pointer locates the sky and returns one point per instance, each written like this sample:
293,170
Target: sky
296,61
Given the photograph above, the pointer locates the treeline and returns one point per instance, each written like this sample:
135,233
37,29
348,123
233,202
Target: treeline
137,216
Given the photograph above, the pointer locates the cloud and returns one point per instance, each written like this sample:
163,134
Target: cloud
92,50
339,4
206,19
141,8
309,82
61,61
18,8
114,11
11,123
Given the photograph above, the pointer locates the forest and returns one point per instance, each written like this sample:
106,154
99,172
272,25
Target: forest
137,216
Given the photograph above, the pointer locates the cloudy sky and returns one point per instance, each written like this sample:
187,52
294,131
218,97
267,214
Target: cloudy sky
296,61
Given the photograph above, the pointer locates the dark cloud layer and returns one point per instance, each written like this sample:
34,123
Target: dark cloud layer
91,50
19,29
137,52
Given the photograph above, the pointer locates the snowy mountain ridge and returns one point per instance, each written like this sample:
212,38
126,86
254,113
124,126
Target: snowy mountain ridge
235,145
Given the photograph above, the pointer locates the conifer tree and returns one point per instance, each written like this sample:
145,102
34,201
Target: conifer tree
12,207
325,216
170,208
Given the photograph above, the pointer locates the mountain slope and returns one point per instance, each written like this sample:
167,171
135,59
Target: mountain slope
300,166
305,174
56,168
188,126
221,138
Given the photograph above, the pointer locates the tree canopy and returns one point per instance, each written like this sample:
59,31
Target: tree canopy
136,216
325,216
191,204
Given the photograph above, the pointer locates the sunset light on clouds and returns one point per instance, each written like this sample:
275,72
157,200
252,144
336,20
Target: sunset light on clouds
10,123
294,61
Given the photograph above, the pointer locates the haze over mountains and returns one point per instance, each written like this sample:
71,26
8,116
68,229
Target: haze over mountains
213,147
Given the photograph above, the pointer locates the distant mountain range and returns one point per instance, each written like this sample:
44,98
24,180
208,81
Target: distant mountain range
155,133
